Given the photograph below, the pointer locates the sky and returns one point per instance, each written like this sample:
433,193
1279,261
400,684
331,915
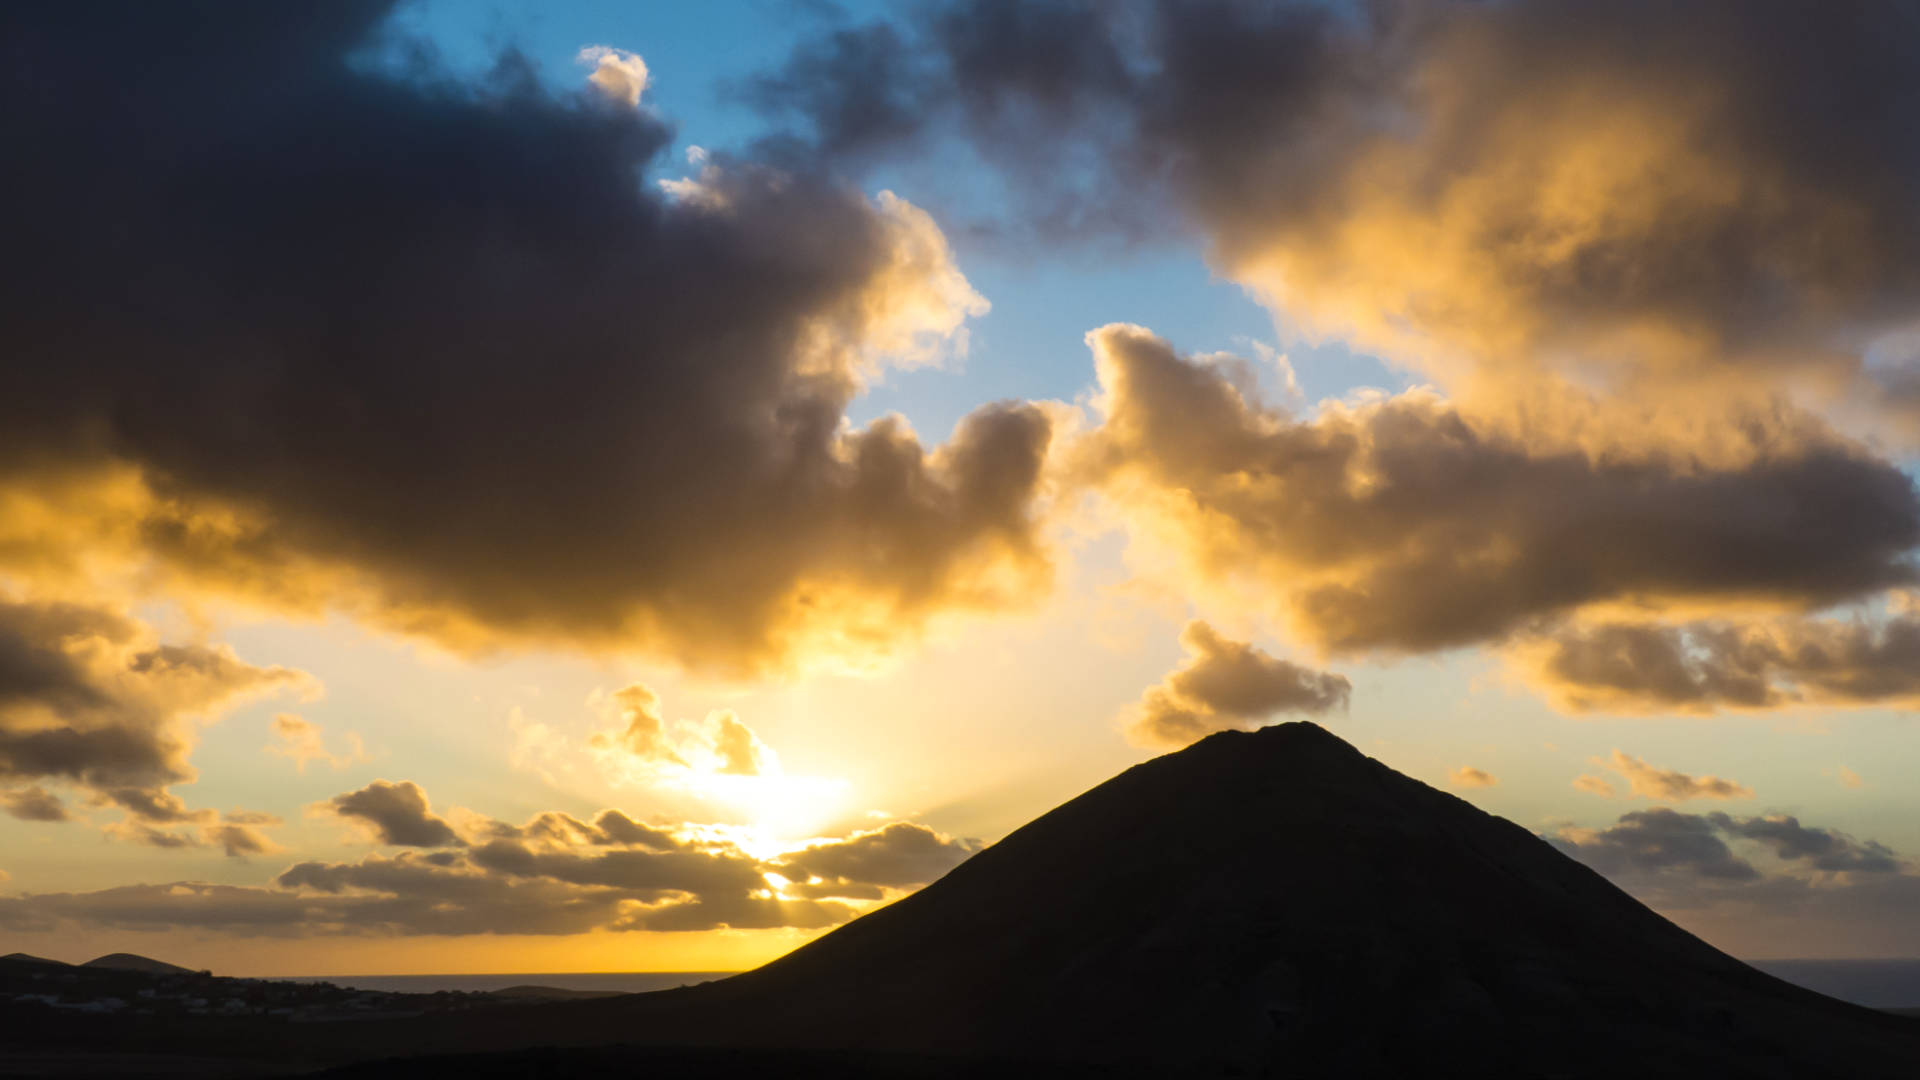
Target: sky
495,487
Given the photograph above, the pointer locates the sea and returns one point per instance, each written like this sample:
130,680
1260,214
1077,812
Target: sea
621,982
1880,984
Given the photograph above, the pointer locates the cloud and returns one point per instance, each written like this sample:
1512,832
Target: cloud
641,737
237,835
1822,849
239,840
1594,785
90,697
398,814
1668,785
1400,523
1623,195
553,874
1657,840
1708,665
1848,778
303,741
896,856
1226,685
1469,777
649,386
1829,885
34,804
617,73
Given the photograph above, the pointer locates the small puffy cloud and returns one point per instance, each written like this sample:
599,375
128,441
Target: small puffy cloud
896,856
238,840
1668,785
1594,785
89,696
303,741
1467,776
1848,778
642,739
618,828
1225,685
397,813
34,804
617,73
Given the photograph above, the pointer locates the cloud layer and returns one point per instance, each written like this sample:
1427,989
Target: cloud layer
362,337
554,874
1404,524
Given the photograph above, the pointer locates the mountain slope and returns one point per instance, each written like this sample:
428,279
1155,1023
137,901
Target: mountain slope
1271,903
121,961
1278,901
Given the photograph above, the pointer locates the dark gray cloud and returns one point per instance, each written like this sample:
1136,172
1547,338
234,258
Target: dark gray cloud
398,814
1224,685
1821,849
303,303
1623,192
864,865
1708,665
1403,523
1820,889
1672,852
89,697
1657,841
34,804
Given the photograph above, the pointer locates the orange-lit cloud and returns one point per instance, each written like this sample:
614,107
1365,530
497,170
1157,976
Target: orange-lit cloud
1469,777
569,407
1227,685
1631,197
397,814
303,741
642,738
92,698
555,874
1669,785
1404,524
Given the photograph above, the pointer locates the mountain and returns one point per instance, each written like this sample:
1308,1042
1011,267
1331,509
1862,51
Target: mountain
1276,902
1272,904
28,958
121,961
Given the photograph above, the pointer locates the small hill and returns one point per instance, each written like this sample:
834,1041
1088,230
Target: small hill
552,993
29,958
121,961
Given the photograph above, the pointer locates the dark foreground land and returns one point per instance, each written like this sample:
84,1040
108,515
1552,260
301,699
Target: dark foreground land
1268,904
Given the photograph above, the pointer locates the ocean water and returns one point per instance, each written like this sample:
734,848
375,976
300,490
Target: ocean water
1880,984
625,982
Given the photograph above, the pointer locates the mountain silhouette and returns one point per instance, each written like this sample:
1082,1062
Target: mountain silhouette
1276,901
121,961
